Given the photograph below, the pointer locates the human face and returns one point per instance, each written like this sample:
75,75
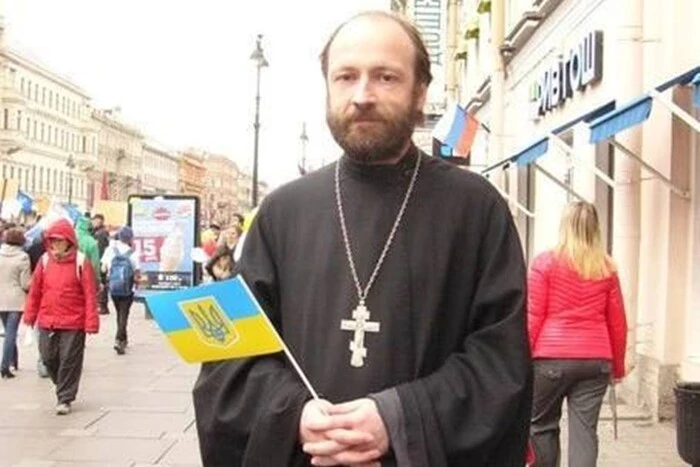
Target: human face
222,268
96,223
374,101
59,245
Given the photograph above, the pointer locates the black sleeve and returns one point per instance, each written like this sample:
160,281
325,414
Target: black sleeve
475,410
248,410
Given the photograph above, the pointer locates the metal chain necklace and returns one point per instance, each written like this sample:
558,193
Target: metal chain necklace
360,322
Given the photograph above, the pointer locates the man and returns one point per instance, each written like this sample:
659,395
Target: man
102,236
396,279
121,266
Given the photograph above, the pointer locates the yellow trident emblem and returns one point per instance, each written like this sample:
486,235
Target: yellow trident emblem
210,322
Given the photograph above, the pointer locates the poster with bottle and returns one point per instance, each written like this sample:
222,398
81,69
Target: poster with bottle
165,233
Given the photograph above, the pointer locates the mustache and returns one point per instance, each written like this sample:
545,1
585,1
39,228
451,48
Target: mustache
365,115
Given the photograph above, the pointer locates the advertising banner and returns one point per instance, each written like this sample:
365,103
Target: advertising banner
165,233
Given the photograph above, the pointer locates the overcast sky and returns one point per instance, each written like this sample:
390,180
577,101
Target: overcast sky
180,69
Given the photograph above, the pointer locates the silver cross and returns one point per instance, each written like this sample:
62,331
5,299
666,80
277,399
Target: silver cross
360,324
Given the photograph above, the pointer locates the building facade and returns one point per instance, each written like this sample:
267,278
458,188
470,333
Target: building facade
160,170
48,142
120,155
220,200
192,173
598,100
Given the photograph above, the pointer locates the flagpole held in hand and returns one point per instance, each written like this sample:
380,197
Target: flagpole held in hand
289,355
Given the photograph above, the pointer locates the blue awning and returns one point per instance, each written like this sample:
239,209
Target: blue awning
683,79
621,119
587,117
532,152
696,91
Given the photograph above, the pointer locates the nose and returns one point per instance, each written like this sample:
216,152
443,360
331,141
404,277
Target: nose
364,94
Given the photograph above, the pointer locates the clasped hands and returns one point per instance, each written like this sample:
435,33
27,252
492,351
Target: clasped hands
348,434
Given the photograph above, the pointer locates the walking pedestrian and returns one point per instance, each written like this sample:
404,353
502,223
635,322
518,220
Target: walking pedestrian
577,329
88,246
14,284
101,235
121,266
62,303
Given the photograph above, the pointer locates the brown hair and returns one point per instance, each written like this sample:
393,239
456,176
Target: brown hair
422,57
14,236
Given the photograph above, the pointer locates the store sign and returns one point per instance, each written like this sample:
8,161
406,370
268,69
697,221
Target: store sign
430,17
581,66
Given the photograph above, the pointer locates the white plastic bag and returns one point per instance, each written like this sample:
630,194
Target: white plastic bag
27,334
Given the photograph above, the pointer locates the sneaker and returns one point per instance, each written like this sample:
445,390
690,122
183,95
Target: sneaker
63,408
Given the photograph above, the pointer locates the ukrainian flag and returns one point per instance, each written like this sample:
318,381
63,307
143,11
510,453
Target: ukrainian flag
217,321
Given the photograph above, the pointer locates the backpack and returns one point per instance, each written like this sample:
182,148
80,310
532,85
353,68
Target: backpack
121,274
79,261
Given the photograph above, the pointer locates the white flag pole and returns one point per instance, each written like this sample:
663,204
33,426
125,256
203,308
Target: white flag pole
289,355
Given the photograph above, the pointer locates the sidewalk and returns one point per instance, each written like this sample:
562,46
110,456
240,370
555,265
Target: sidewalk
136,411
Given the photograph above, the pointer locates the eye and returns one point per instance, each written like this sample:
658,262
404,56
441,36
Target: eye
343,77
388,78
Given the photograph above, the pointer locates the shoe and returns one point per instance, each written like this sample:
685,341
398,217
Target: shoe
119,347
6,374
103,312
63,408
41,370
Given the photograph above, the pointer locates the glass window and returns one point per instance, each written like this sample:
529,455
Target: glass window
6,118
41,179
21,85
12,172
34,129
26,179
55,180
84,144
19,120
50,98
29,89
28,126
60,182
55,136
36,92
34,178
42,133
43,96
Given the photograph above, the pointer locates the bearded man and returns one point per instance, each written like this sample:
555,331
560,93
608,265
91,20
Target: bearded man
396,279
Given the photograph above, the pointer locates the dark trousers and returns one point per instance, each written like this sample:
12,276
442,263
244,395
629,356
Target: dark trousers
583,383
102,300
123,307
62,351
10,322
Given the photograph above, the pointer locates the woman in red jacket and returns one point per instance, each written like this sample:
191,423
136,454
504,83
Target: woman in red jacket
577,328
62,301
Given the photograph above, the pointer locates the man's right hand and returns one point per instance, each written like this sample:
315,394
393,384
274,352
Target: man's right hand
315,426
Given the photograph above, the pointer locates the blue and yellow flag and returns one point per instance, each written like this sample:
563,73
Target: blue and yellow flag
217,321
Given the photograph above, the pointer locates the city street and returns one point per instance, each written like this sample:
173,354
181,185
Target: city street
136,411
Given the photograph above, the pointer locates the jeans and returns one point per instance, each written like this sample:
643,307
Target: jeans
583,384
10,321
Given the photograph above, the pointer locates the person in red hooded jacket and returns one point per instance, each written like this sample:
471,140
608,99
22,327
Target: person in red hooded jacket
577,330
62,303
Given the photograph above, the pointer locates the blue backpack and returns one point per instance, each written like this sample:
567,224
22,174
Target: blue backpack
121,274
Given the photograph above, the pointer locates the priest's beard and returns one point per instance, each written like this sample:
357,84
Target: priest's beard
369,135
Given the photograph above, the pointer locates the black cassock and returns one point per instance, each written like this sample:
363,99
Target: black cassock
450,300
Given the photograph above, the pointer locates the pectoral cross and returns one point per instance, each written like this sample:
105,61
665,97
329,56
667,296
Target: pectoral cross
360,324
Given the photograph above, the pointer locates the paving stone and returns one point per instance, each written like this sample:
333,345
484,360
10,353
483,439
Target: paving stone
116,450
143,425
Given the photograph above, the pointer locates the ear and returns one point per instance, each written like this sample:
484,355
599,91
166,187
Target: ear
421,96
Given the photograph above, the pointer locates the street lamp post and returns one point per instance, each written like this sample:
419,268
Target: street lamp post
70,163
260,62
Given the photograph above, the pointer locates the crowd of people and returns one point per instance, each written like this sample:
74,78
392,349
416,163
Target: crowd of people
59,282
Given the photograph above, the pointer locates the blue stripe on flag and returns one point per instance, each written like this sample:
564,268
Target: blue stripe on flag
231,296
457,128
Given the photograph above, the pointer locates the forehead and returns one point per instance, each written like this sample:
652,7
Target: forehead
371,42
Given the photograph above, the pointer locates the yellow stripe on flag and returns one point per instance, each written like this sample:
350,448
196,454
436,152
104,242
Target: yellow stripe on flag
253,337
